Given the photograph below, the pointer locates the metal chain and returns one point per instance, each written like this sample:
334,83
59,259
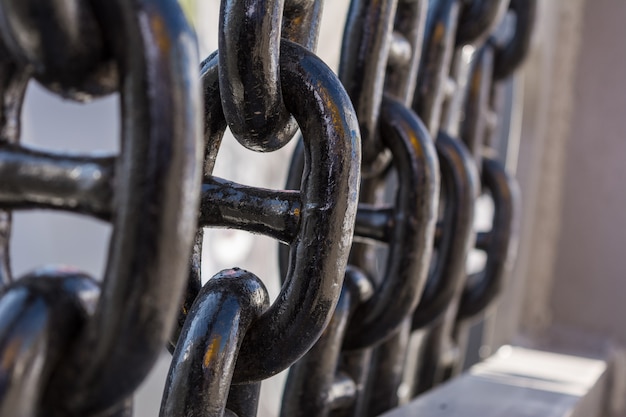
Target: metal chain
417,94
114,346
443,355
317,222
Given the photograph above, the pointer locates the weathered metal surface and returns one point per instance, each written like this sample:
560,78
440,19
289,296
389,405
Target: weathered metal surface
156,195
460,187
62,44
410,244
415,83
482,288
207,350
249,44
328,194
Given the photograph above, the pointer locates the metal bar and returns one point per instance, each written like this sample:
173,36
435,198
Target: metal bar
34,179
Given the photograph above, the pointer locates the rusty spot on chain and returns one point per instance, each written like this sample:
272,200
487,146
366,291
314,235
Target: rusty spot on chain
211,351
161,37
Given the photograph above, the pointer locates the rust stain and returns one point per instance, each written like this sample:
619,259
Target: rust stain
335,114
10,355
212,351
296,22
161,36
417,147
476,81
439,32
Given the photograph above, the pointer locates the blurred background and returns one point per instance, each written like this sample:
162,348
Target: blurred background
568,291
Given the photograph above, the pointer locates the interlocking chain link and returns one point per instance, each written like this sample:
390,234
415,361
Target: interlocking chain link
416,94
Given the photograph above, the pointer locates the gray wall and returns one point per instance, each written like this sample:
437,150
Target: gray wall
590,270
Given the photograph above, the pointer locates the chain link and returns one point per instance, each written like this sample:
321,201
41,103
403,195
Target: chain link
417,94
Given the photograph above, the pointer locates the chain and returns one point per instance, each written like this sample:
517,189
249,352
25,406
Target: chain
417,93
447,340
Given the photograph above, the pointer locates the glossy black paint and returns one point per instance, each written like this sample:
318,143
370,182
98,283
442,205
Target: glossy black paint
95,355
415,209
408,227
250,82
434,70
374,222
301,22
343,392
364,55
243,400
387,371
101,366
39,316
13,81
32,31
309,384
316,385
214,120
481,290
35,179
352,366
434,357
510,56
355,365
156,191
194,285
214,127
408,31
460,185
478,19
372,323
443,351
475,127
268,212
417,168
206,355
328,196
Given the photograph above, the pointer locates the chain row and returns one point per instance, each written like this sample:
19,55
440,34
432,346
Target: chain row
415,94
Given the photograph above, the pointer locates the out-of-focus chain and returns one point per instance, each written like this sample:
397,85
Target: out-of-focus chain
71,346
479,67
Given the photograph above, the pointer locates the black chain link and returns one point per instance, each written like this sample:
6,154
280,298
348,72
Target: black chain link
416,92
